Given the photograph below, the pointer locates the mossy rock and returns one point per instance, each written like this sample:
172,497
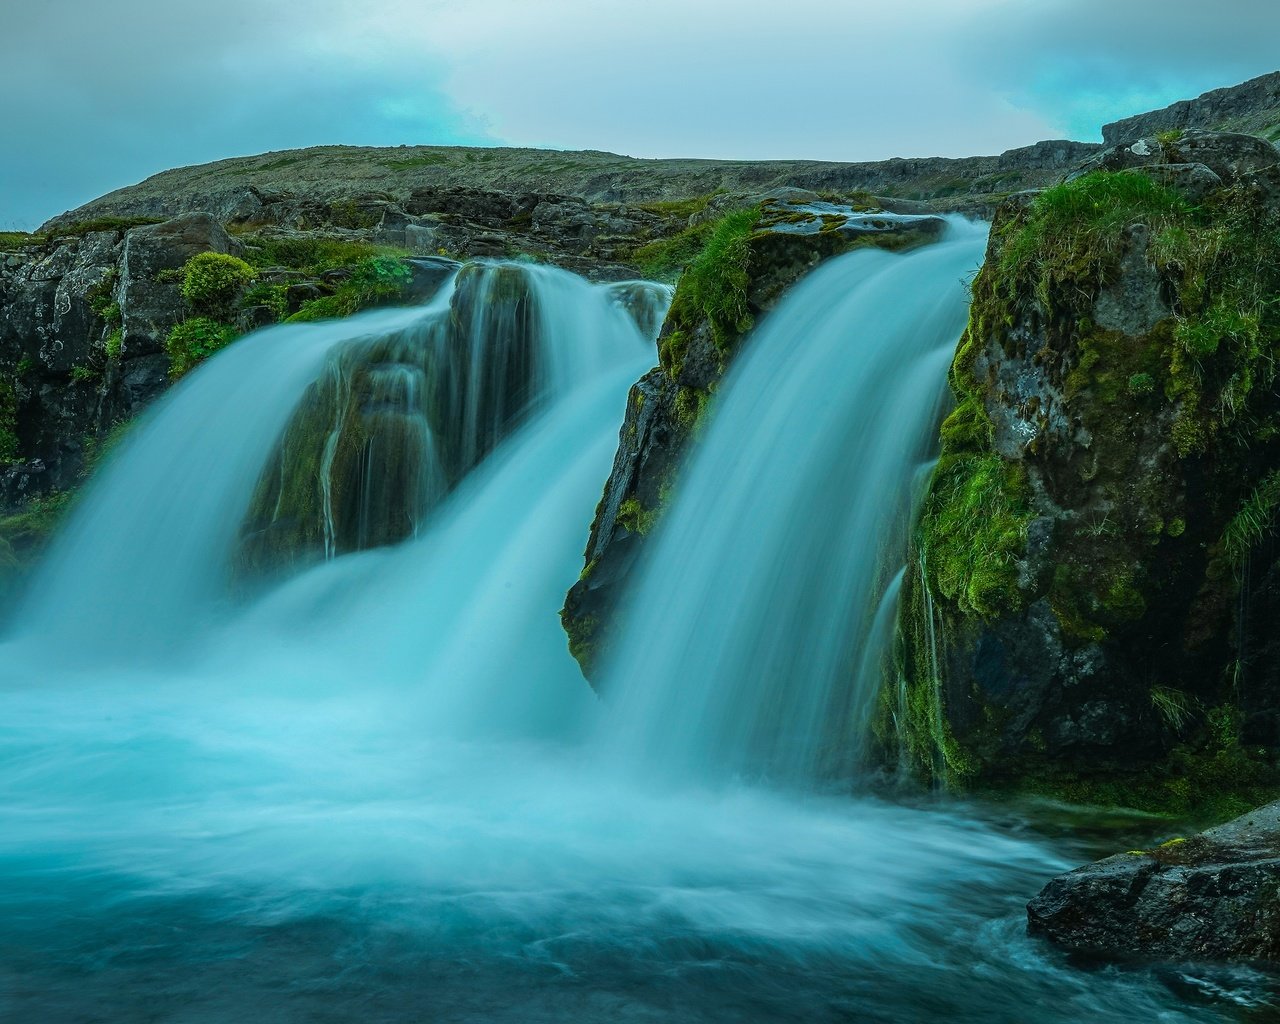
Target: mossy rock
1094,533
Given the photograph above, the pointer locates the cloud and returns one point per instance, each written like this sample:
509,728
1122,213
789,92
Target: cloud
1087,62
94,95
97,96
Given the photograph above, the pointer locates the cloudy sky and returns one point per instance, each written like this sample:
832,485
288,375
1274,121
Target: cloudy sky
97,94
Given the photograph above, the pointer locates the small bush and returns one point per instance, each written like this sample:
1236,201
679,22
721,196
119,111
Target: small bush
211,281
193,341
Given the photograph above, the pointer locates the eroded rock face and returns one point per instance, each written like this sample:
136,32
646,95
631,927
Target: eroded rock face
793,234
1078,615
1213,897
1251,106
60,305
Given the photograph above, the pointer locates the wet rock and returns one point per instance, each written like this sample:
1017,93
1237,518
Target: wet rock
1212,897
792,237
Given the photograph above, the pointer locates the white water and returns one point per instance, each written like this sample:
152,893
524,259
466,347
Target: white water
789,524
363,796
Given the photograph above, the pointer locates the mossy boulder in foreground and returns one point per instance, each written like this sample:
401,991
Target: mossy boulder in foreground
1088,605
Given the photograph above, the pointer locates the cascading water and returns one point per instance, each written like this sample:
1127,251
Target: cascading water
788,525
365,791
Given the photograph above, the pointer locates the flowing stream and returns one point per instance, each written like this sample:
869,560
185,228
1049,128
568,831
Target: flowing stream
376,788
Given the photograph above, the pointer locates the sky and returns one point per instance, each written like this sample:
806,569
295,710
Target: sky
97,94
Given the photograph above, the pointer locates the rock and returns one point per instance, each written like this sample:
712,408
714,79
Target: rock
1213,897
150,303
1227,156
1085,551
793,236
1255,103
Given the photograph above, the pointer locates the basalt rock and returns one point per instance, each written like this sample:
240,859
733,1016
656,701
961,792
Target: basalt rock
1212,897
61,303
792,233
1082,612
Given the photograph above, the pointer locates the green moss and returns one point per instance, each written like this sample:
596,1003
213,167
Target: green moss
635,517
312,254
1141,384
375,281
84,374
582,640
8,421
194,340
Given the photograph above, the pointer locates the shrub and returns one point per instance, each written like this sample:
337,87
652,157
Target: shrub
194,340
211,281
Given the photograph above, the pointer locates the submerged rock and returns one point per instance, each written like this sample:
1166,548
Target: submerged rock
1213,896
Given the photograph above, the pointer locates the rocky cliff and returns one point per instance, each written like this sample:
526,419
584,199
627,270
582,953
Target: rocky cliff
1253,107
1087,601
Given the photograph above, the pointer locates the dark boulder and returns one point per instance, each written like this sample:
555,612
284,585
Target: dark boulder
1212,897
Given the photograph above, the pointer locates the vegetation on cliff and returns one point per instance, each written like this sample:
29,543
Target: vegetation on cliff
1077,621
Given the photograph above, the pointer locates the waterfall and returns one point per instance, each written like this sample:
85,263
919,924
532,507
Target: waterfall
751,641
364,786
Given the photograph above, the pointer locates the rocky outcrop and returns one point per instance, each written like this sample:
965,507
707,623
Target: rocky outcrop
1211,897
1085,597
83,320
1253,106
750,259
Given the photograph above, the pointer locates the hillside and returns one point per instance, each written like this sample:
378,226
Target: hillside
330,173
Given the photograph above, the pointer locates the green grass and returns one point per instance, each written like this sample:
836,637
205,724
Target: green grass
1074,228
375,281
312,255
193,340
1254,520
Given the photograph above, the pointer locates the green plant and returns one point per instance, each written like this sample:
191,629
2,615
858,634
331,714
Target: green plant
1253,520
1174,706
273,296
83,374
1141,384
211,281
8,421
114,344
375,281
194,340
